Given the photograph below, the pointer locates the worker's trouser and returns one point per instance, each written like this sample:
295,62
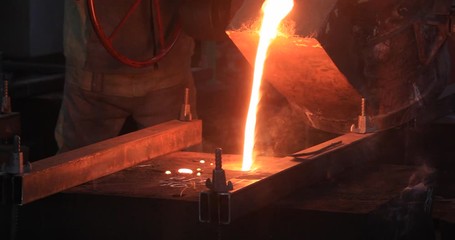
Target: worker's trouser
95,106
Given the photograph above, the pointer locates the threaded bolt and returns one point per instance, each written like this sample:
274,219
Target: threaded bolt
187,95
5,88
363,107
218,152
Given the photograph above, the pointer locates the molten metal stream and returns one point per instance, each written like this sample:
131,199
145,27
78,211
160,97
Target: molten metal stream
274,12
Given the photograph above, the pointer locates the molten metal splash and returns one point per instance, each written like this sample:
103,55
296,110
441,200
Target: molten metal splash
274,12
185,171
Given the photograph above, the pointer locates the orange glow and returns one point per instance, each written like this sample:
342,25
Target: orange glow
185,171
274,12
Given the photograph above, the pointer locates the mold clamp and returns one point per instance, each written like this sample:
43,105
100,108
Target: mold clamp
215,204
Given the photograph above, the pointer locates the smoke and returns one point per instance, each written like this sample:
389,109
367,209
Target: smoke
279,131
407,216
420,181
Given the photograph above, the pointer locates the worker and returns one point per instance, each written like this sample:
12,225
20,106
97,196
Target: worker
101,92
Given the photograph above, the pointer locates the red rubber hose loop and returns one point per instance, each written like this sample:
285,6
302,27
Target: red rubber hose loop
107,41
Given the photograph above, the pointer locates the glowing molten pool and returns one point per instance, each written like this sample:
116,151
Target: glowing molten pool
274,11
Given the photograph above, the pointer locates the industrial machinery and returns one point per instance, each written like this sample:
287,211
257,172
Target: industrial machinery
10,125
391,53
368,71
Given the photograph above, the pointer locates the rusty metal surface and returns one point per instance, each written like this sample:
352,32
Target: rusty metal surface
271,179
392,53
358,191
149,179
300,69
66,170
358,180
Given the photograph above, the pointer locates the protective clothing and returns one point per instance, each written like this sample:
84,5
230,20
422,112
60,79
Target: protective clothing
100,92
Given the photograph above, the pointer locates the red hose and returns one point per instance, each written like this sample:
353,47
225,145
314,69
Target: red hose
107,43
159,21
128,14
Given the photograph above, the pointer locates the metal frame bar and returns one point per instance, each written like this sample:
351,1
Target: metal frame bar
66,170
302,172
273,179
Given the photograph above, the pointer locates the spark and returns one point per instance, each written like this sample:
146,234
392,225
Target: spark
185,171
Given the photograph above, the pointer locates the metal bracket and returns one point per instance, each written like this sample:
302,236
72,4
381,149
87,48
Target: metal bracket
185,111
10,189
363,123
215,205
10,177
